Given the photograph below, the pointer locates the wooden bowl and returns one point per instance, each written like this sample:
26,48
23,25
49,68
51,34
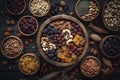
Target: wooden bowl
101,46
91,57
39,15
106,25
22,31
76,10
58,17
14,37
33,55
17,13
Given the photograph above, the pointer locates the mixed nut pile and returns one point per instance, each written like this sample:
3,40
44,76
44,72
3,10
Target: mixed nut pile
62,40
111,15
16,6
39,7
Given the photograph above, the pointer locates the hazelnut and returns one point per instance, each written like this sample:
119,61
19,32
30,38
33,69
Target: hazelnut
26,42
70,13
12,21
19,35
7,33
9,29
60,9
62,3
92,43
8,22
4,62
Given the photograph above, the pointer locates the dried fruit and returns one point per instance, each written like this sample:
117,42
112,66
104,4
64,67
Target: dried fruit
95,37
107,62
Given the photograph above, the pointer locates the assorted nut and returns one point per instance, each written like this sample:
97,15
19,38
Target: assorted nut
39,7
90,67
16,7
62,41
29,64
110,46
27,25
12,47
87,9
111,15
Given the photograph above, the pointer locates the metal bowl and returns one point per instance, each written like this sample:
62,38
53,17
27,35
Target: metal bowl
58,17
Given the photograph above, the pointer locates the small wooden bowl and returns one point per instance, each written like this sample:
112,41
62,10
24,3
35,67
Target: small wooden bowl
33,55
19,12
59,17
39,15
91,57
76,11
101,46
22,31
106,25
15,37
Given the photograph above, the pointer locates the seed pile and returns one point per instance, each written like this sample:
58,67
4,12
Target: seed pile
111,15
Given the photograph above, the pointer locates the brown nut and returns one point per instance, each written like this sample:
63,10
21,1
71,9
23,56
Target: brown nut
9,29
19,35
92,43
4,62
70,13
62,3
7,33
12,21
8,22
60,9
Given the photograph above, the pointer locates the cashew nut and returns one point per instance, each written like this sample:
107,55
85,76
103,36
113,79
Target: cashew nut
69,41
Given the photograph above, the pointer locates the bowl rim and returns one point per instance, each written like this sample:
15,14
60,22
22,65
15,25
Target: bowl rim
8,37
22,31
76,11
40,15
29,54
58,17
19,12
92,57
101,46
103,19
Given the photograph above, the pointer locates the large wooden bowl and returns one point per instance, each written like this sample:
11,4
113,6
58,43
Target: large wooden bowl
66,17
